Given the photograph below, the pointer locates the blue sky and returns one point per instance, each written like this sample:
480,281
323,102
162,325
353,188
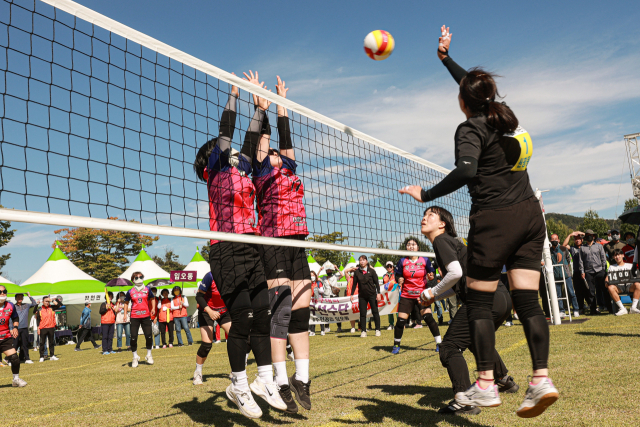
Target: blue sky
569,72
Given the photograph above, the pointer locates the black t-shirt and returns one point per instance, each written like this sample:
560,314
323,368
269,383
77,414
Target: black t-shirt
502,178
447,250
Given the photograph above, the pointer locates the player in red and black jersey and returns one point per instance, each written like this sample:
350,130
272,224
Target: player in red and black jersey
281,214
143,307
9,314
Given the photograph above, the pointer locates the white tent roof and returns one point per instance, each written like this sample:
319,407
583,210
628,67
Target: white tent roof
198,264
313,265
3,280
58,269
144,264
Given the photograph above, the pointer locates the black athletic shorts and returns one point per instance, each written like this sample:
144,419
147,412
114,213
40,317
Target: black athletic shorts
405,305
284,262
623,288
235,266
511,236
6,344
205,320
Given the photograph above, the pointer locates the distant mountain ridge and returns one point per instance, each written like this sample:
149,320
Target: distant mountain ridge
573,222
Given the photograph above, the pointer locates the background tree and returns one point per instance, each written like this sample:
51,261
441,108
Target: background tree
171,261
322,255
624,228
559,228
383,258
103,254
205,251
592,220
5,236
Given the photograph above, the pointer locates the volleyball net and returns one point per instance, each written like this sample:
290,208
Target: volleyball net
101,121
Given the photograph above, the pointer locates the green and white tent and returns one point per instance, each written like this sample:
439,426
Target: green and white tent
314,266
58,276
343,278
12,288
379,268
199,264
351,263
144,264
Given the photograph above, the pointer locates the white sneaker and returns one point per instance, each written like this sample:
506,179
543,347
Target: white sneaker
634,310
576,314
41,359
508,324
270,392
563,315
19,382
475,396
134,362
389,328
245,402
322,333
217,342
622,312
378,333
53,358
149,359
291,357
353,330
29,362
363,334
537,399
197,378
312,334
157,347
515,316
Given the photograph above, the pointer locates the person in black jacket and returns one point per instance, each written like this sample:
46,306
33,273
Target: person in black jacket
365,280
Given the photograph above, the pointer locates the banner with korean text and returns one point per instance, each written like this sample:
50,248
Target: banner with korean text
336,310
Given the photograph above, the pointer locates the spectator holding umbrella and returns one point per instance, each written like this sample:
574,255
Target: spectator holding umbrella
107,322
123,321
165,319
84,330
22,341
179,305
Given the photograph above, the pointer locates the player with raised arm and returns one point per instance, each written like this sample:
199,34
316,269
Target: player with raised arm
506,228
451,255
281,214
236,268
411,273
143,306
9,314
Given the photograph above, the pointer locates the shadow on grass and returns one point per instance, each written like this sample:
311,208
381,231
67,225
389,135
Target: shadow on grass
210,376
218,410
388,348
608,334
377,410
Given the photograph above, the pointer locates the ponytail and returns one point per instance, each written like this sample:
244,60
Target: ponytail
478,90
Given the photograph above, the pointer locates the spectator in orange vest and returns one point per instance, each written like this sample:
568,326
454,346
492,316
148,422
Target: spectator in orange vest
47,328
165,318
179,306
108,324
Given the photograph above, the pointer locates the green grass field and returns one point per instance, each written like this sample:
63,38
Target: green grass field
355,381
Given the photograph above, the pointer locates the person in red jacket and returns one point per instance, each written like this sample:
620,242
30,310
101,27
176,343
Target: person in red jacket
108,324
179,305
46,328
165,318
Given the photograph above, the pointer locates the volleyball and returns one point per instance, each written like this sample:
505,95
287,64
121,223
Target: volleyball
378,45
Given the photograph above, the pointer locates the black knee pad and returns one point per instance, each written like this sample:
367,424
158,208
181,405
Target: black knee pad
299,320
526,303
280,302
261,322
14,358
204,349
446,351
241,322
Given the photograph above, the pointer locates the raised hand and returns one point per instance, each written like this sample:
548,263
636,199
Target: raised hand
443,42
281,89
234,89
261,103
414,191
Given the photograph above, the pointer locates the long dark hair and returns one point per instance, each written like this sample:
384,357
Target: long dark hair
446,217
202,158
478,90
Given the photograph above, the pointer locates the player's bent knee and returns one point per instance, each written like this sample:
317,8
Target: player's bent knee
261,322
204,349
299,320
280,311
241,322
13,358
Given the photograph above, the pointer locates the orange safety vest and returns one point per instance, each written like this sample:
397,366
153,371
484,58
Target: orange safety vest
178,313
47,318
162,313
108,318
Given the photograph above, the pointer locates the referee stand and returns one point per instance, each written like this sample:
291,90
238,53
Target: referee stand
563,284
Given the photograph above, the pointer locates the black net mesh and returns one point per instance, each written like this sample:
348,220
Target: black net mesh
96,125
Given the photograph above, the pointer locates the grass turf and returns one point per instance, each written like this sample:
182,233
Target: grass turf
355,381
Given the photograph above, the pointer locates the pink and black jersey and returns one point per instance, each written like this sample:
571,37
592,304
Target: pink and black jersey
8,313
139,302
211,294
231,195
415,275
280,193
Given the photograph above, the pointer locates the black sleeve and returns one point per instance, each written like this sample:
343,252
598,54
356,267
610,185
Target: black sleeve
252,136
465,170
227,124
376,281
446,251
284,133
202,303
103,308
457,72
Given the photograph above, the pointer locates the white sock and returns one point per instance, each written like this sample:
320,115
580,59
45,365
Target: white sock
241,380
149,353
634,303
135,354
302,370
265,373
246,360
438,339
198,368
16,376
619,304
281,373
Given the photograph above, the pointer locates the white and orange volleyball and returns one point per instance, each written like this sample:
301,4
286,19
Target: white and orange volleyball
378,45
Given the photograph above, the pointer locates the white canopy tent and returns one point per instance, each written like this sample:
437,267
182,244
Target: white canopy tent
145,265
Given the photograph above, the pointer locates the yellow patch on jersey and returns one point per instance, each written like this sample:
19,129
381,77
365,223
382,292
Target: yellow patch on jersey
526,149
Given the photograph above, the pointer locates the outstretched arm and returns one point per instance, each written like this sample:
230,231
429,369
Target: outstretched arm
228,121
457,72
284,131
465,170
252,138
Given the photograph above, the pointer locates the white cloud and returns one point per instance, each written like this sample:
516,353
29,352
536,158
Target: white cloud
588,196
31,239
